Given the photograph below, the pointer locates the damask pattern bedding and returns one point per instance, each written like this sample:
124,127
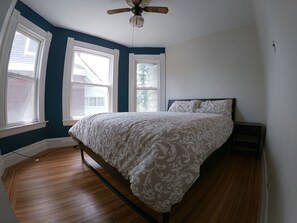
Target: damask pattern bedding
160,153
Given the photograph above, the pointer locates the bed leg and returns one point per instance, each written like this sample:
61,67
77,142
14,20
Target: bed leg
82,154
166,217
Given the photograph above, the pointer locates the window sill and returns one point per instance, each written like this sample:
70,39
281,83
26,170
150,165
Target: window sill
21,129
69,122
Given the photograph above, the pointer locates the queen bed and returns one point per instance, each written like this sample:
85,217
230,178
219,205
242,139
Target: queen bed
157,154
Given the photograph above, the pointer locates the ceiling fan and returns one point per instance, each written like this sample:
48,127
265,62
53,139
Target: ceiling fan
137,7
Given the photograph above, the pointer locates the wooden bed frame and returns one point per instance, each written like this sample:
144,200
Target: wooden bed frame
113,171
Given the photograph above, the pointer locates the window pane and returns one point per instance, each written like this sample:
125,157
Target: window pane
20,101
147,100
90,68
88,100
147,75
23,55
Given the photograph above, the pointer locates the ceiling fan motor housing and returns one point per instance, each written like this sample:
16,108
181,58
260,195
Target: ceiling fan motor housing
137,10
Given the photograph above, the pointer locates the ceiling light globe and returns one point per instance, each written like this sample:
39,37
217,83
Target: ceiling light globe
136,21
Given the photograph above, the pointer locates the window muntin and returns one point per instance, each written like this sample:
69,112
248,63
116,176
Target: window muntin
147,79
22,81
90,80
21,101
147,100
147,75
23,64
19,61
146,83
88,100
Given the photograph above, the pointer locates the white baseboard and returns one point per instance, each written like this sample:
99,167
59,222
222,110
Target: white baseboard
60,142
31,150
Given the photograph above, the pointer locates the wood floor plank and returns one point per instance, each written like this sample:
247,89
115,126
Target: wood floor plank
60,188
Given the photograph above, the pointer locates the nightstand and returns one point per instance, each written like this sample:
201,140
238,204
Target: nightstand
249,137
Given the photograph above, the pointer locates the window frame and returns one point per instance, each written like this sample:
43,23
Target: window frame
28,33
113,54
134,59
23,25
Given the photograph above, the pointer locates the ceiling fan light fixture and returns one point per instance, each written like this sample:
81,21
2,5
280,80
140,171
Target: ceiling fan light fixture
137,7
136,21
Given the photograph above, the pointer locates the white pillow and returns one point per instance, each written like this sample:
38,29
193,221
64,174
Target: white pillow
184,106
223,107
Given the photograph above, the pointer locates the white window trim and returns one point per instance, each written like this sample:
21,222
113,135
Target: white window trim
8,12
21,129
133,60
71,45
17,21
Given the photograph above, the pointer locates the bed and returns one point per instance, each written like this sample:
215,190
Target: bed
157,154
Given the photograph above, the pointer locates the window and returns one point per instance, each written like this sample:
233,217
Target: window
23,59
22,81
90,80
147,83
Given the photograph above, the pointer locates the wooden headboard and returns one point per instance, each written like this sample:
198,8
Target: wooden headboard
170,101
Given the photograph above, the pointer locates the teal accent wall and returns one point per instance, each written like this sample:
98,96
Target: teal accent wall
54,79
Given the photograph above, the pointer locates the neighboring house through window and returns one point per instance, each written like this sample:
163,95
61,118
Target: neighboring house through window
147,83
22,77
90,80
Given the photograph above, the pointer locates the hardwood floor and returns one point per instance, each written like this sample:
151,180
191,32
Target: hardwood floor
60,188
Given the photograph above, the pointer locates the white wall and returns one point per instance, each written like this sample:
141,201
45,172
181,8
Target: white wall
224,64
6,212
277,20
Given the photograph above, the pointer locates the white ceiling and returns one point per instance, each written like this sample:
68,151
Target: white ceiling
186,19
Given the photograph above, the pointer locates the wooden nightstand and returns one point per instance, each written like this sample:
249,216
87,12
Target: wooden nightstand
249,137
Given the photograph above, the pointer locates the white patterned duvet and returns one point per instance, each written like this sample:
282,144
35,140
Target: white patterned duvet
160,153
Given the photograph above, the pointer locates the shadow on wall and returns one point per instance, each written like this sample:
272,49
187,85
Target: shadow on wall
6,212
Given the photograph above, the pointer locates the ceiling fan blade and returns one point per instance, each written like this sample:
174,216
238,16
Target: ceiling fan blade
114,11
156,9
